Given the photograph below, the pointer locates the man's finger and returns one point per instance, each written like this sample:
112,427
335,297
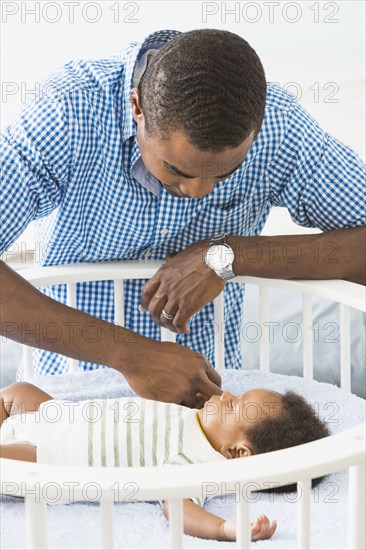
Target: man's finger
189,401
199,400
156,306
181,319
148,292
196,399
208,389
214,376
170,309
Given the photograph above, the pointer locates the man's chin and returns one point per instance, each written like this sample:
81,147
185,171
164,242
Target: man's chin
173,192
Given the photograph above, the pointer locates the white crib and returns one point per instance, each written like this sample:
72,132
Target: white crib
300,464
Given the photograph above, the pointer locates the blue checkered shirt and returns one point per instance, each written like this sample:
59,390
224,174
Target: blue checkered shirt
71,162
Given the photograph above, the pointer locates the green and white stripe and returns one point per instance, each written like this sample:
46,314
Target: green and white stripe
124,432
142,432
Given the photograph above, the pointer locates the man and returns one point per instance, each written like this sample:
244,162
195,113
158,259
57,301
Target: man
158,153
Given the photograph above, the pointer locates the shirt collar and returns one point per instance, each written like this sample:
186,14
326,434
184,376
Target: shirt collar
197,445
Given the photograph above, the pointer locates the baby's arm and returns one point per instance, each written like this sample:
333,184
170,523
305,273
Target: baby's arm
20,397
200,523
19,451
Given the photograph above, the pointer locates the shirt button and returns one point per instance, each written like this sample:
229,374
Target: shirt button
164,231
147,254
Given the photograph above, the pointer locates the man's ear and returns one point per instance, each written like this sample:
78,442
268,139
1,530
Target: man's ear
135,102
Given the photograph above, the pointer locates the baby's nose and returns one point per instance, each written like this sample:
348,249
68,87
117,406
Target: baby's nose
225,395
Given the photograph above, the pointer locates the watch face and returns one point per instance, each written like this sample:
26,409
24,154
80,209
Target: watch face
219,256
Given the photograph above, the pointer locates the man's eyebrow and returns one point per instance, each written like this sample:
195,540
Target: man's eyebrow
178,172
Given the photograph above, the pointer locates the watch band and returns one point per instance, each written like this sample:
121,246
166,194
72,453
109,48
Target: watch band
227,273
218,239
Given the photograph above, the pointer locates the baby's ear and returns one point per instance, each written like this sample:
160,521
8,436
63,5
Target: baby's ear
243,450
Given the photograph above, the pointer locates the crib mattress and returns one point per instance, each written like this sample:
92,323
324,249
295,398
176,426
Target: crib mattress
142,525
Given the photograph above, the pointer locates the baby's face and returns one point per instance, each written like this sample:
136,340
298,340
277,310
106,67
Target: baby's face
224,418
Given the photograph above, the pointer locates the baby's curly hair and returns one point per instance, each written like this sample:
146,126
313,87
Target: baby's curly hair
296,424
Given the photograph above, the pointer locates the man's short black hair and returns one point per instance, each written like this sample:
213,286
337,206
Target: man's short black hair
296,424
208,84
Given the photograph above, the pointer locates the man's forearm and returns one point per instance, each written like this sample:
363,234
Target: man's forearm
29,317
338,254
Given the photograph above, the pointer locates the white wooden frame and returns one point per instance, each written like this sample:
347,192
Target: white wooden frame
39,482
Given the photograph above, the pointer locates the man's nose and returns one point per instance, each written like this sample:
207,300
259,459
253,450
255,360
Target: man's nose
196,191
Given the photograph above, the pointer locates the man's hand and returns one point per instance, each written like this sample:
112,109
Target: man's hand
174,374
182,287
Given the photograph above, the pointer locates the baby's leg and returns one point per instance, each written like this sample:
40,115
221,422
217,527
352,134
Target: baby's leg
20,397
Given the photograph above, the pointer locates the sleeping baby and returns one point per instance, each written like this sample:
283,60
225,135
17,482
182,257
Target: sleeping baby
132,431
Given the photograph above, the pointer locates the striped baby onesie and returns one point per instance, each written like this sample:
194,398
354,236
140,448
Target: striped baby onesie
125,432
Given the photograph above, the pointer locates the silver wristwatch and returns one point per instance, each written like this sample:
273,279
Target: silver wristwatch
220,257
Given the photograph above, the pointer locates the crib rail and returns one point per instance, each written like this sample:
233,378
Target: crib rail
309,460
41,483
345,293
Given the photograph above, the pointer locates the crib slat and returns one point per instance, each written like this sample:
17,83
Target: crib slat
28,362
264,318
303,514
345,344
71,301
167,335
36,521
307,342
242,522
106,510
176,523
356,507
119,302
219,324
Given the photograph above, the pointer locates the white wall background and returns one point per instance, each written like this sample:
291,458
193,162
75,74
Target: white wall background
304,51
316,49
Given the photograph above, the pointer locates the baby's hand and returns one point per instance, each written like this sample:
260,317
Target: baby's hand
261,528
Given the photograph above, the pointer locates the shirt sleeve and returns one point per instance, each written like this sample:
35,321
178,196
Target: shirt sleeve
34,165
318,178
